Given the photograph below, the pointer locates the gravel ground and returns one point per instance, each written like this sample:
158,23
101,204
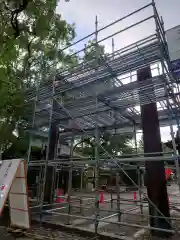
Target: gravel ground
106,209
42,234
3,236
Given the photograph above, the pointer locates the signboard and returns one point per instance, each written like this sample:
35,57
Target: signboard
13,185
173,41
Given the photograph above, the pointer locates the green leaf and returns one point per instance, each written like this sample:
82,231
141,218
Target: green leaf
28,57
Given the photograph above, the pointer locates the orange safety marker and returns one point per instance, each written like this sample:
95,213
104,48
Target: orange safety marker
135,196
101,199
59,194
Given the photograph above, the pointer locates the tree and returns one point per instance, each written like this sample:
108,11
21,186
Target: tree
109,144
31,32
93,51
166,146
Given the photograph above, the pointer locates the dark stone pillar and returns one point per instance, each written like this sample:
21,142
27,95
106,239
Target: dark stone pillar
155,173
52,148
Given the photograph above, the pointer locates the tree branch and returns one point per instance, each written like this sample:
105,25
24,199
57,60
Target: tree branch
27,63
14,16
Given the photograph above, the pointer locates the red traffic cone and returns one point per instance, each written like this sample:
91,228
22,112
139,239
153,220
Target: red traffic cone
59,194
135,196
101,199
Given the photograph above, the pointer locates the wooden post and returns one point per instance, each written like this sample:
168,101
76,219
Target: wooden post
155,172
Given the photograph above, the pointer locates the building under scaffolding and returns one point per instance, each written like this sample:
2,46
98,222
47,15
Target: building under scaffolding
114,93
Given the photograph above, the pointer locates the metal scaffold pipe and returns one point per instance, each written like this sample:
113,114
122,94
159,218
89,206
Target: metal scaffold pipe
96,101
176,160
118,32
107,26
120,160
118,195
96,146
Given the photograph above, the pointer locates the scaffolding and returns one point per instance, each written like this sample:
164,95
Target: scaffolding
100,95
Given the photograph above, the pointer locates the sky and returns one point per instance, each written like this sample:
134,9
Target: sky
83,13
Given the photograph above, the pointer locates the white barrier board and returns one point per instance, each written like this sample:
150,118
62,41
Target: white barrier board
13,184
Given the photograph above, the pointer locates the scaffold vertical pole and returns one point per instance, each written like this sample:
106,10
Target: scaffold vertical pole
81,190
33,119
117,181
33,122
96,175
82,176
96,143
135,138
138,172
54,177
70,181
111,177
57,182
39,187
118,195
69,194
140,189
113,47
176,159
47,152
97,179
